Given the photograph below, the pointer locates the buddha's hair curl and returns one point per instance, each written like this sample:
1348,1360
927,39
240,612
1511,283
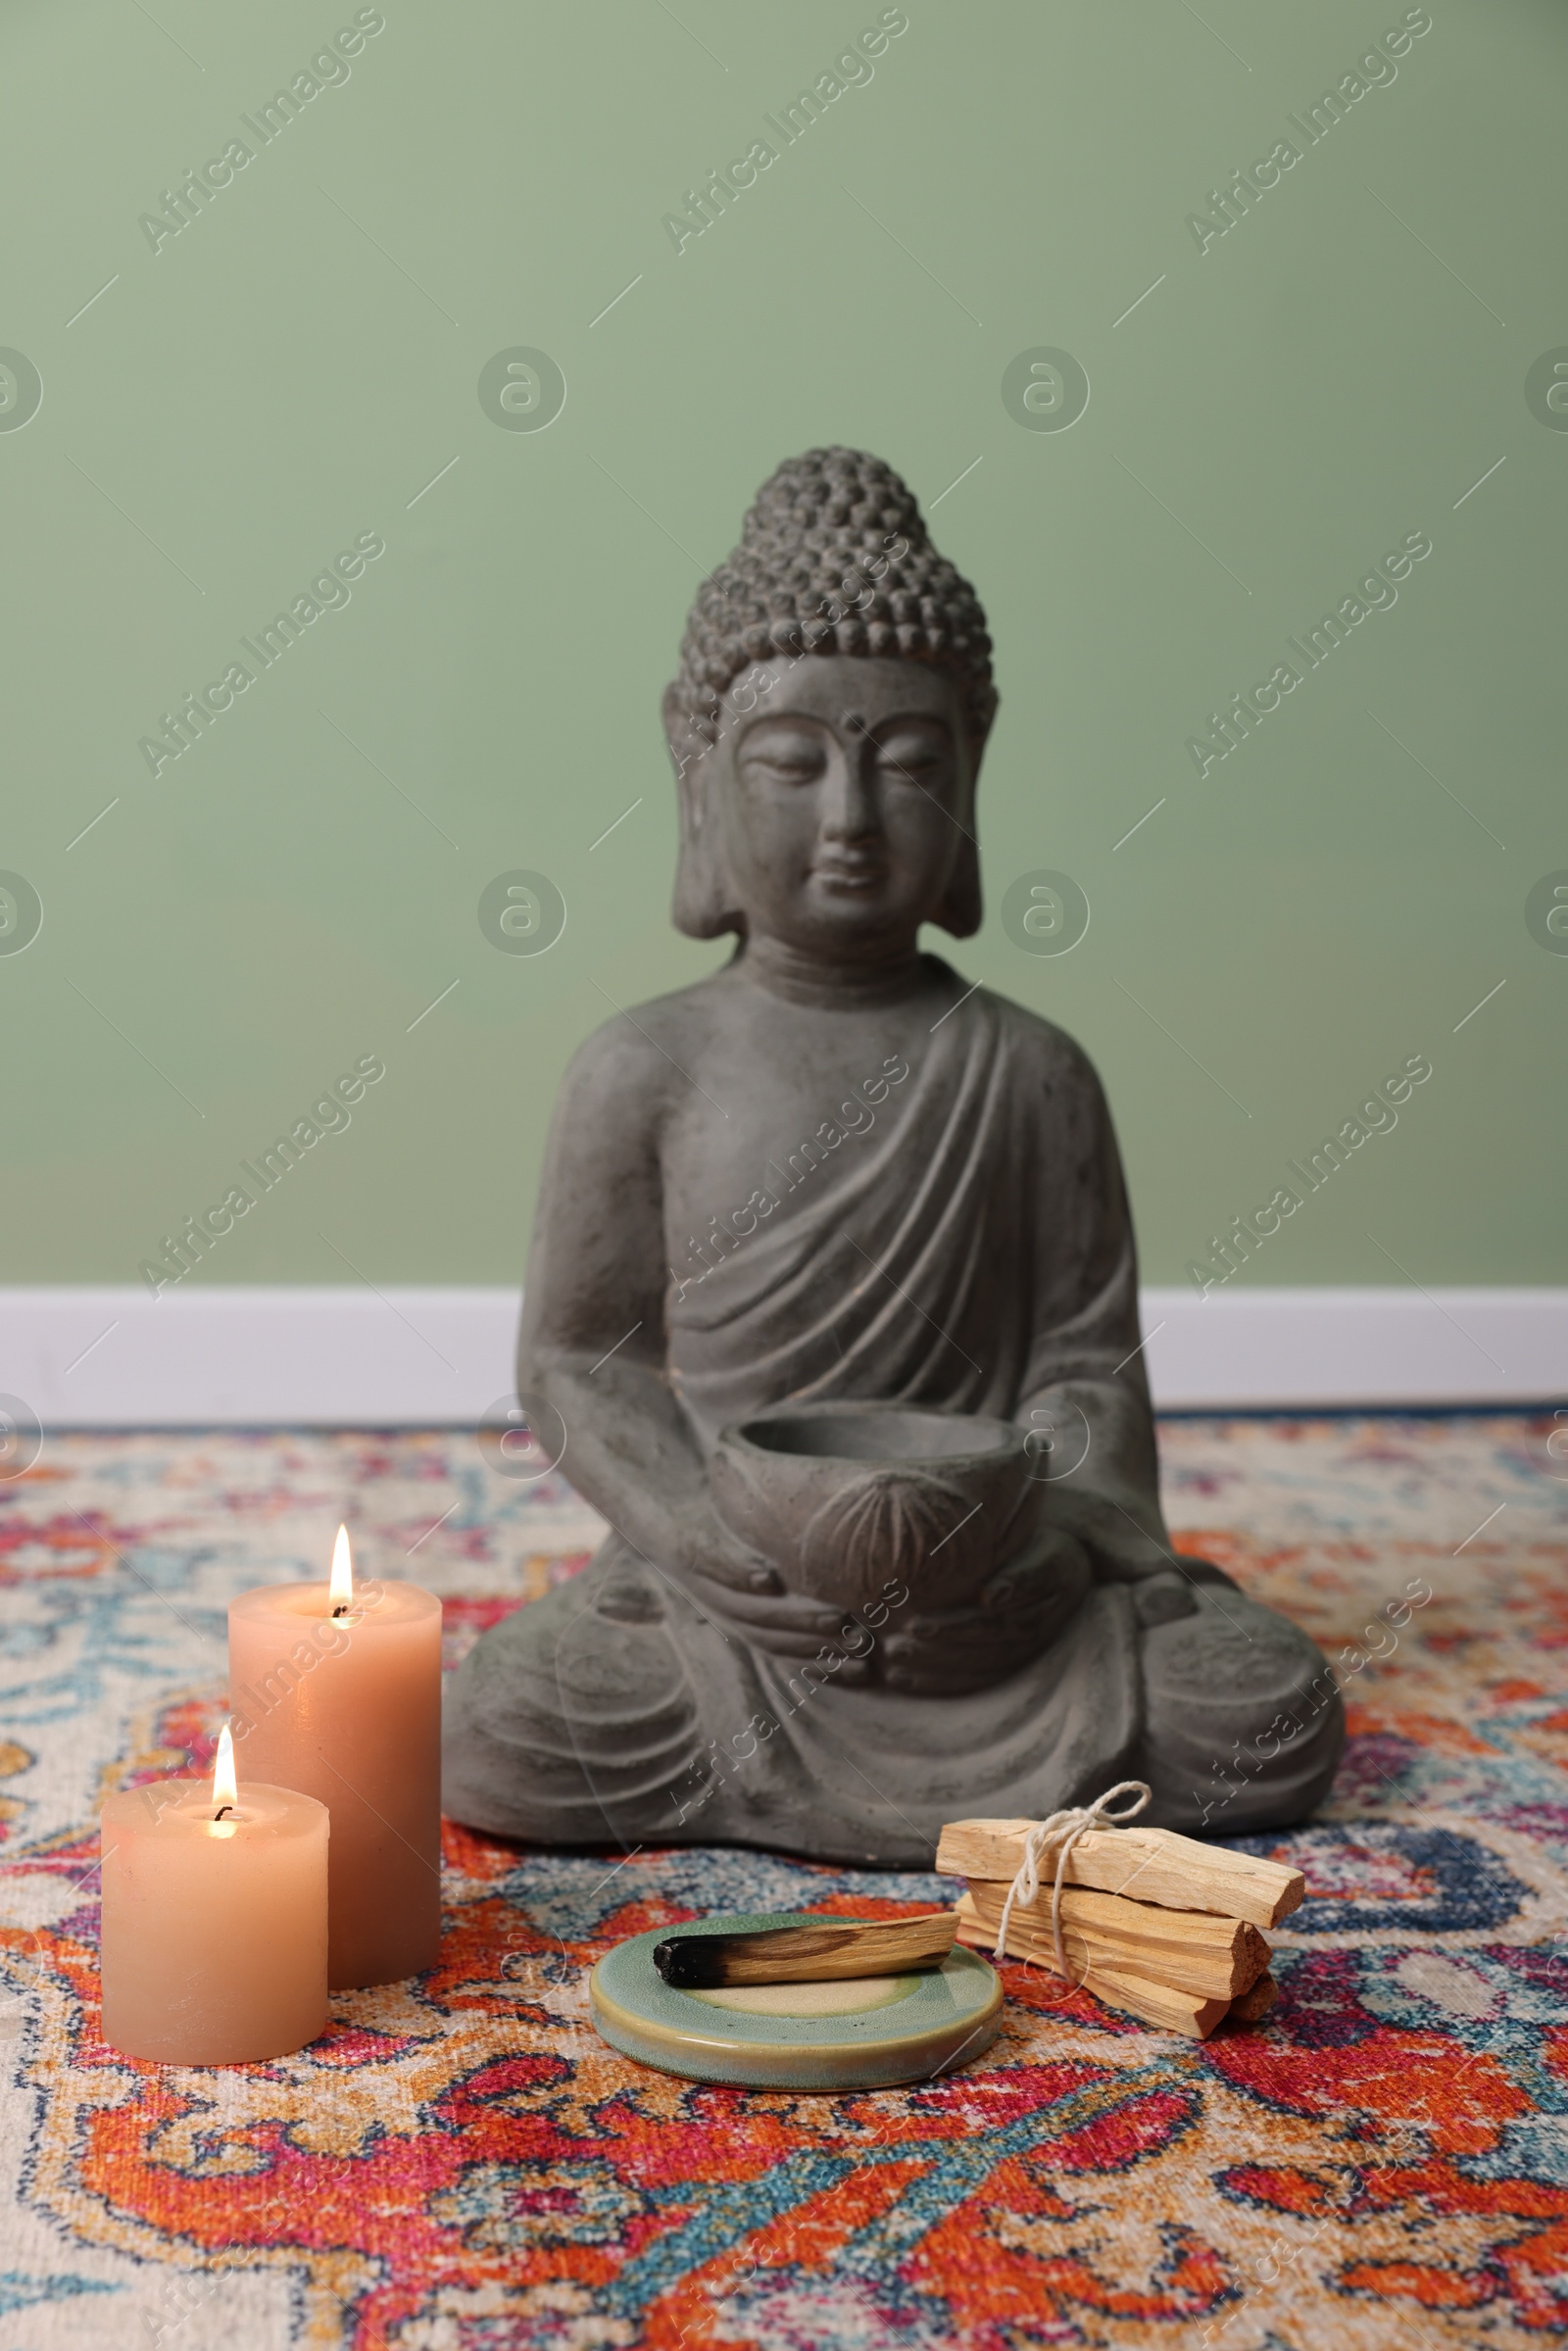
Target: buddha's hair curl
834,558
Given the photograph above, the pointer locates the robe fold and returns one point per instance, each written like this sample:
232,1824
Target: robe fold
872,1275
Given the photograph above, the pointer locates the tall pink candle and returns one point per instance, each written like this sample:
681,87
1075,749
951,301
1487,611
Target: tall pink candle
338,1691
214,1927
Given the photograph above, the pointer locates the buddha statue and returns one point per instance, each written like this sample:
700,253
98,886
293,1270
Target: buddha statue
828,1245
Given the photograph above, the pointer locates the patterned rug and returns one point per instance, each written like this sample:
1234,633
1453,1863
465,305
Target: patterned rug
460,2165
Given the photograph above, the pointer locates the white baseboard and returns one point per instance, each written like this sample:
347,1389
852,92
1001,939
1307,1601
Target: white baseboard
256,1356
320,1357
1337,1348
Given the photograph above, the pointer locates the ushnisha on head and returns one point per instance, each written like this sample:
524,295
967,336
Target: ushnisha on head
832,704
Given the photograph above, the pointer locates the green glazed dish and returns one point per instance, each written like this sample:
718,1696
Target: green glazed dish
867,2032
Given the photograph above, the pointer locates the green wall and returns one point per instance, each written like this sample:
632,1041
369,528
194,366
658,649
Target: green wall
291,369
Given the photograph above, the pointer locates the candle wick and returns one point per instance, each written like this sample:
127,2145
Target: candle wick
341,1609
221,1809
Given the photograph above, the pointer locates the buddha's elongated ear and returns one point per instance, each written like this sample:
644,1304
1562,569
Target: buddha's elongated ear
704,905
963,906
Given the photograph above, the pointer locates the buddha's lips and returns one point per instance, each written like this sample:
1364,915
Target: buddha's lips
858,874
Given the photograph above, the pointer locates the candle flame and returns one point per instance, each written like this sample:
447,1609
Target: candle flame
340,1591
225,1788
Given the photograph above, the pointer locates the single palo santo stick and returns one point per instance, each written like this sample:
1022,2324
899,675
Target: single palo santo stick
1255,2003
1152,1865
1157,2004
818,1953
1191,1951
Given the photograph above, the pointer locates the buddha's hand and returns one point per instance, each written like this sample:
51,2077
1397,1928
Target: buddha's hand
945,1651
737,1590
1126,1540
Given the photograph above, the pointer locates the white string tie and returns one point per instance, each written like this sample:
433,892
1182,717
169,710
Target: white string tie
1064,1829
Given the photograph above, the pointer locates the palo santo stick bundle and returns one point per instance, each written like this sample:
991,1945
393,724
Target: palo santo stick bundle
1151,1922
1150,1865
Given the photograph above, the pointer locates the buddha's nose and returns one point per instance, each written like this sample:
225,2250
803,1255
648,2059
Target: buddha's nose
850,810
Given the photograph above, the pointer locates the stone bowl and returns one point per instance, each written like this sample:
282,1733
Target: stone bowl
844,1498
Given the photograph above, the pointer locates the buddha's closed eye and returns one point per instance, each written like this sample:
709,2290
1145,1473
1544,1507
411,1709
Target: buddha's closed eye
787,755
920,755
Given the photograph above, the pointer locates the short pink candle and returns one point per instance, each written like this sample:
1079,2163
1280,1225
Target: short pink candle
213,1928
336,1690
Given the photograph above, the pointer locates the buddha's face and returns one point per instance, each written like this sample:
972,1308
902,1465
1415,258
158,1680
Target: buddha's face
844,787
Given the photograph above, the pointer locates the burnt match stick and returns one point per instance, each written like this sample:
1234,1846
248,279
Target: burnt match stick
822,1951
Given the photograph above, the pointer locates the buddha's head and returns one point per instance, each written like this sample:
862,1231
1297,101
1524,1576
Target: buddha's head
828,721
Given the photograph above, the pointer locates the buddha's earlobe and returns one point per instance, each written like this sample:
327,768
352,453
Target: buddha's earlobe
962,904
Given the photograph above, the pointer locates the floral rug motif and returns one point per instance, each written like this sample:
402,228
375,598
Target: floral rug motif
462,2165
